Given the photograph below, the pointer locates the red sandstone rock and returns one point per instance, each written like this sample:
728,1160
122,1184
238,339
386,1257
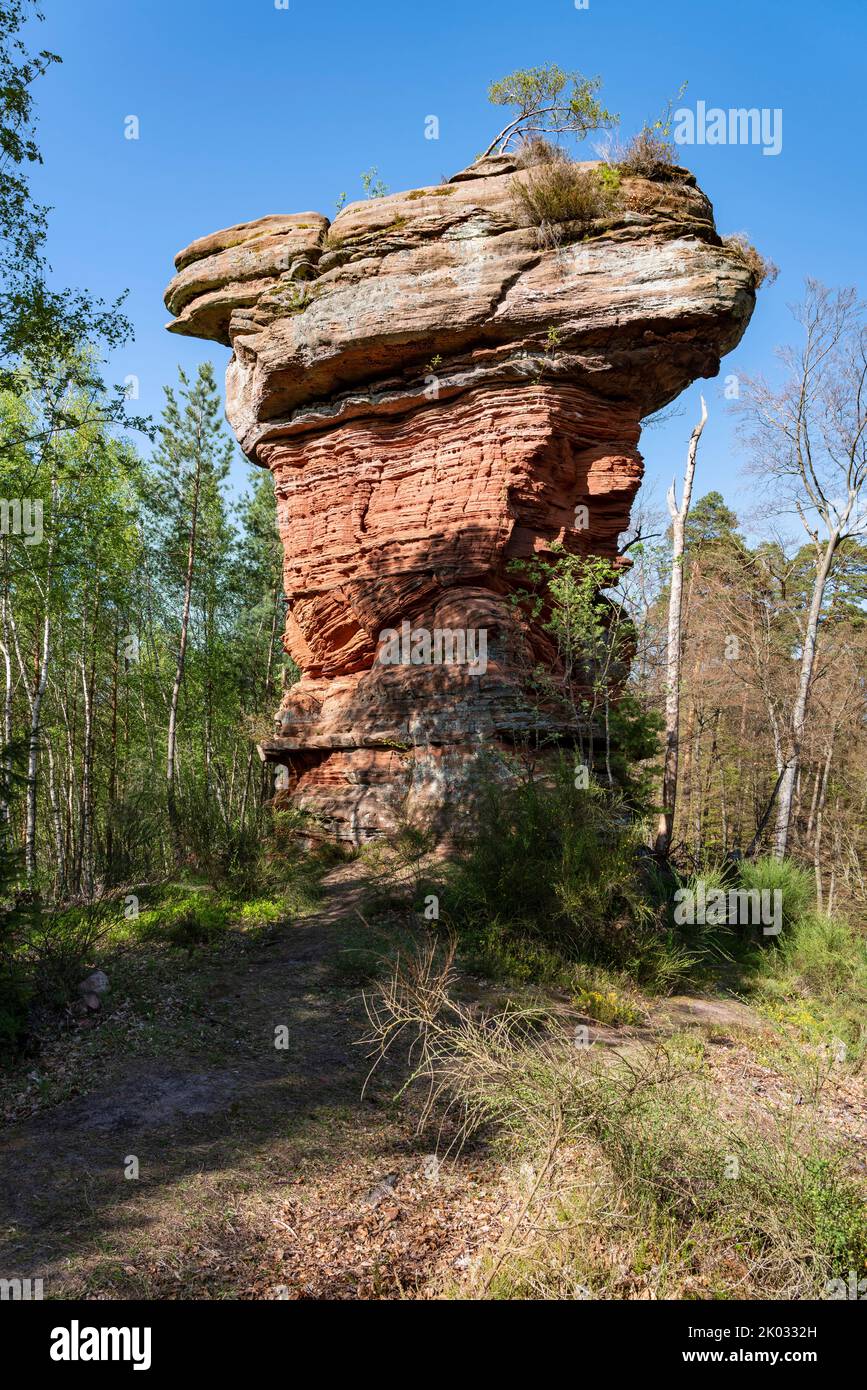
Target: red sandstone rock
435,393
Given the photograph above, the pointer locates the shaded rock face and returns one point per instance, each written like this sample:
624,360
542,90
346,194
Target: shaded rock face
435,393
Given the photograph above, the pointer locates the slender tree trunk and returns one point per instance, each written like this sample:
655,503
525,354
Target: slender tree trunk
674,647
171,753
33,740
820,812
57,826
834,861
7,719
799,713
698,797
817,779
30,865
86,828
739,775
112,764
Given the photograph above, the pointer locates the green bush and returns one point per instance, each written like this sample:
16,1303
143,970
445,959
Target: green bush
721,1205
44,953
15,999
551,872
500,951
814,974
825,954
223,852
260,912
793,1202
545,854
562,200
794,883
186,918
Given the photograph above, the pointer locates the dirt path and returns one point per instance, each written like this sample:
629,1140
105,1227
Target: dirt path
262,1171
273,1172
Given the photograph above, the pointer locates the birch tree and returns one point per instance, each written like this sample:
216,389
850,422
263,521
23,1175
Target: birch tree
192,460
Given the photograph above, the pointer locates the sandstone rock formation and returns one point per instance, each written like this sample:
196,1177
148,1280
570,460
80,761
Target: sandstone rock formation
435,392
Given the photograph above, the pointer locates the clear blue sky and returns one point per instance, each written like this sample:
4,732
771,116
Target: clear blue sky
246,109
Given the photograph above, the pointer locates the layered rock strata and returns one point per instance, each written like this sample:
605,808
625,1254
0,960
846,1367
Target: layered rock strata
438,390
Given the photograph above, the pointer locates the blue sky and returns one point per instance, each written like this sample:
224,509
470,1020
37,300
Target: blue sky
247,109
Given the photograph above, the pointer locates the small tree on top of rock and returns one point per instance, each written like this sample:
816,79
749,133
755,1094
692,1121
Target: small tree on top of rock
549,101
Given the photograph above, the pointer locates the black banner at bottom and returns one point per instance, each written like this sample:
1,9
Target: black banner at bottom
82,1338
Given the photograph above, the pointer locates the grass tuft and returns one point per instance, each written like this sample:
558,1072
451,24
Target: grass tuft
561,200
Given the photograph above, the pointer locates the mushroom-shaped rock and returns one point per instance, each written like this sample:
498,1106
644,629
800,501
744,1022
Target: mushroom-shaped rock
439,390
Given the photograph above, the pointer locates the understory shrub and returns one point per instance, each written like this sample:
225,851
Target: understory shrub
681,1196
221,850
185,917
647,153
44,954
562,200
812,974
551,874
825,954
794,883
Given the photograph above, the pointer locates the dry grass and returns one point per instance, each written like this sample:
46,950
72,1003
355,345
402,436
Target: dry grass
558,198
647,154
639,1185
763,271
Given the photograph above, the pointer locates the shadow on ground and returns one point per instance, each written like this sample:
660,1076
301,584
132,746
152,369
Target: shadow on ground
255,1120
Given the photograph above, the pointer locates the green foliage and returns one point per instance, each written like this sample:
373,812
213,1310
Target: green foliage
373,185
826,955
100,602
16,916
548,100
44,952
595,640
813,978
703,1200
186,919
794,884
550,877
562,200
668,1144
42,329
232,662
710,522
22,224
261,912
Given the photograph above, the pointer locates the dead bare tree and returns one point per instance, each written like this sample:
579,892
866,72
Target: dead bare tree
678,516
809,441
